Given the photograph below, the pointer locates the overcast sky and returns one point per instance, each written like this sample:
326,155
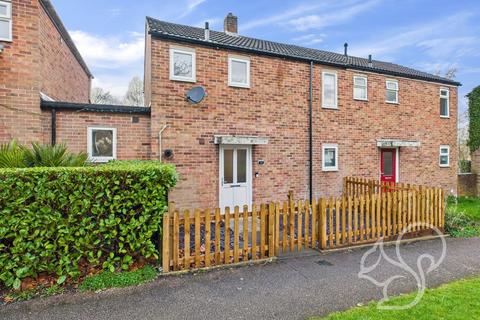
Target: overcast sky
429,35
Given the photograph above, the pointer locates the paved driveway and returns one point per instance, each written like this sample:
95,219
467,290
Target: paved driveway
294,287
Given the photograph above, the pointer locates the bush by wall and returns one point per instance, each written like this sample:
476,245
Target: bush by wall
66,221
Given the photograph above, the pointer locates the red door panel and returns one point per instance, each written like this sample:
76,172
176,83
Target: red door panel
388,165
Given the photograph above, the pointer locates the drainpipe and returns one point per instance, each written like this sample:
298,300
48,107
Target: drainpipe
310,134
54,127
160,142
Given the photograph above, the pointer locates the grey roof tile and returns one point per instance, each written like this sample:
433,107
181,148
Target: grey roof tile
238,42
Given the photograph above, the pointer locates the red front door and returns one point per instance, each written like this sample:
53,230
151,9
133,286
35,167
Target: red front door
388,165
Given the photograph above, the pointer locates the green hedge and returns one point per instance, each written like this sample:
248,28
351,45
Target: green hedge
65,220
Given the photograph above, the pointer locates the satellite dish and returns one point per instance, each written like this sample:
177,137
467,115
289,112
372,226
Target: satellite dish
196,95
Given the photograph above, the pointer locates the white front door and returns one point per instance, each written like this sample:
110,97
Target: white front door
235,176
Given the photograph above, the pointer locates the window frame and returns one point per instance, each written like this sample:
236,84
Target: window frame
324,105
232,83
395,90
357,86
329,146
8,18
440,154
97,159
448,102
188,51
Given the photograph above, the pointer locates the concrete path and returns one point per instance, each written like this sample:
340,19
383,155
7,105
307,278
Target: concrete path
294,287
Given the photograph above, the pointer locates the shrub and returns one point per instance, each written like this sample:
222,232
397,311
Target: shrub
66,221
13,155
465,166
458,223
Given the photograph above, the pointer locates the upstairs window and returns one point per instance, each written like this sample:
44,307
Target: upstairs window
330,157
182,64
444,158
5,21
329,90
360,88
102,144
239,72
444,103
392,91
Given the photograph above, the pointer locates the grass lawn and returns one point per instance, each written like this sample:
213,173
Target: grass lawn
469,205
457,300
462,217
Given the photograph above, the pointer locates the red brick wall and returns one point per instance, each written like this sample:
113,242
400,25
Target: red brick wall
276,106
20,76
133,139
35,61
476,168
63,78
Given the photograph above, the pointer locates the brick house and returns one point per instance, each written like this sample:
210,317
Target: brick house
45,88
276,117
280,117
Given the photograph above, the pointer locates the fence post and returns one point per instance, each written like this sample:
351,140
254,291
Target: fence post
323,225
166,238
271,240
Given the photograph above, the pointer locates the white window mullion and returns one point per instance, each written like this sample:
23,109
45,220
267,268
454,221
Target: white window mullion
391,91
360,88
444,103
444,156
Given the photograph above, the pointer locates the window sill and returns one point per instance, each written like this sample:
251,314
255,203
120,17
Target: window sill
391,102
444,166
182,79
445,117
101,160
358,99
243,86
330,170
331,108
6,40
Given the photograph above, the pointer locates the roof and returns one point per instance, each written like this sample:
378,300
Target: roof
90,107
168,30
47,5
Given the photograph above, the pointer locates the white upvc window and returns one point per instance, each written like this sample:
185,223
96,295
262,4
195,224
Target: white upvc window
182,64
392,91
329,90
329,157
102,144
444,156
5,21
239,72
360,91
444,103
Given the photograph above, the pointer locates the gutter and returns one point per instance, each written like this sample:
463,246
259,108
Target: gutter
88,107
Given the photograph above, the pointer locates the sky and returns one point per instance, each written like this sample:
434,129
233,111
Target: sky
429,35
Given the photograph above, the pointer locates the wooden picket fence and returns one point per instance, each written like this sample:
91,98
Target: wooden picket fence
354,186
205,238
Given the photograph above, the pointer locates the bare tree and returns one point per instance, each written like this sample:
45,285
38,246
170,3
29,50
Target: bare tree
134,95
101,96
450,72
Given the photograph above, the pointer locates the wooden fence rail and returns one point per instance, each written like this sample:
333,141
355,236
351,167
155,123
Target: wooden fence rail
353,186
364,214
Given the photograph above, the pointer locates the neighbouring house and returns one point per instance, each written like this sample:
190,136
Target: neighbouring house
280,117
276,117
45,89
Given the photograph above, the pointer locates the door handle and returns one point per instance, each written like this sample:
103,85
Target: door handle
235,185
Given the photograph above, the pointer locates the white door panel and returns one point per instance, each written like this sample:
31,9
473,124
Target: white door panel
235,176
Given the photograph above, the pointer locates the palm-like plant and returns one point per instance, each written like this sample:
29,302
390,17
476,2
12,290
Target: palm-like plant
42,155
12,155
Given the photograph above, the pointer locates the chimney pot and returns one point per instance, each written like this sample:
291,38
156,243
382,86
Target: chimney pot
370,63
230,24
346,49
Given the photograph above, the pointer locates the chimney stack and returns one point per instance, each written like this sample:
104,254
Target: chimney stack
207,31
346,49
230,24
